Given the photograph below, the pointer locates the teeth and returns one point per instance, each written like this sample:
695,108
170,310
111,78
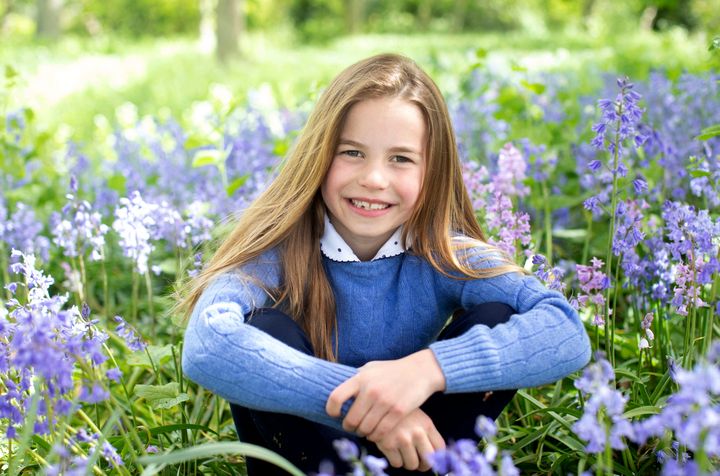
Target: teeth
369,206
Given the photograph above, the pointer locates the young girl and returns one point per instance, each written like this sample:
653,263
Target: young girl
323,315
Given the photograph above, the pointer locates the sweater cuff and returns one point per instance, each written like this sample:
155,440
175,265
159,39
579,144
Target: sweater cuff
470,362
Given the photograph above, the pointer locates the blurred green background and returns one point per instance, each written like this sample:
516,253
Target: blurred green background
81,58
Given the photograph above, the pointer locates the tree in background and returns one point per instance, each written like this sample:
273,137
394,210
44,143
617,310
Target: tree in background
48,19
229,26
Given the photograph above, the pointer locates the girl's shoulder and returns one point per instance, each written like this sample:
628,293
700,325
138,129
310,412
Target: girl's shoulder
262,270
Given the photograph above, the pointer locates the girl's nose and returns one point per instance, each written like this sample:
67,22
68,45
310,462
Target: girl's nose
374,176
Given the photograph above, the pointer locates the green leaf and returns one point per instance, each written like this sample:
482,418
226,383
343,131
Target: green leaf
700,173
10,72
236,184
161,396
160,430
155,462
715,45
709,132
29,114
168,266
195,141
640,411
159,354
481,53
207,157
118,182
566,201
570,233
537,88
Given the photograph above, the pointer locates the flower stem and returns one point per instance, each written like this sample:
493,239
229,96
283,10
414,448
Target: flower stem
616,289
133,308
151,310
586,245
4,265
610,345
708,331
548,223
106,291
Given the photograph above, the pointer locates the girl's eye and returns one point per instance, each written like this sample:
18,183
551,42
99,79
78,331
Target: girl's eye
351,153
401,159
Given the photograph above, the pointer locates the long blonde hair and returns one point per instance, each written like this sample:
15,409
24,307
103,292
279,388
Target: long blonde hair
289,215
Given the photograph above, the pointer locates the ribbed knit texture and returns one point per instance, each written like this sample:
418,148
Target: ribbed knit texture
386,309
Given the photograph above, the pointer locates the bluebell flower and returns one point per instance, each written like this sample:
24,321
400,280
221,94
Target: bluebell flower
602,422
485,427
110,454
23,232
346,449
135,223
129,335
375,465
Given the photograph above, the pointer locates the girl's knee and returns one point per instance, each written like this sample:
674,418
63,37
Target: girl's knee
490,313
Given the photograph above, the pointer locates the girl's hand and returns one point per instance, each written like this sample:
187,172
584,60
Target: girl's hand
386,392
409,443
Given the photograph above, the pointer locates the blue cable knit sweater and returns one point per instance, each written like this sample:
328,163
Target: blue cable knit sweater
386,309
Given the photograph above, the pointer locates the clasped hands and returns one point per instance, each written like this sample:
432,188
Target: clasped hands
386,410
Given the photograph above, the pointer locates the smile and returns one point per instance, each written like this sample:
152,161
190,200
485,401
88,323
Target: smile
369,206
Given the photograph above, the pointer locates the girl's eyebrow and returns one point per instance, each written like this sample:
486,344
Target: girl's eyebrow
392,149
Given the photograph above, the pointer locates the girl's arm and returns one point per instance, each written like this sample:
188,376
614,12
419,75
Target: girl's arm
542,343
248,367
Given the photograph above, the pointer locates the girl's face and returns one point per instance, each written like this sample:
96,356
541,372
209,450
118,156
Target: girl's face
375,177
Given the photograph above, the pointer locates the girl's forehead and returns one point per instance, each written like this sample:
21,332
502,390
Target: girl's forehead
385,121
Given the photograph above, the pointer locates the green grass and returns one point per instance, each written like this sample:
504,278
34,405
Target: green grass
72,81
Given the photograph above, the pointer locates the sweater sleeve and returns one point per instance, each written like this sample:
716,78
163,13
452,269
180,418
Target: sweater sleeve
543,342
245,365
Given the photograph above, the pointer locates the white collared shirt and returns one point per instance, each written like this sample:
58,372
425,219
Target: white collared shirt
334,247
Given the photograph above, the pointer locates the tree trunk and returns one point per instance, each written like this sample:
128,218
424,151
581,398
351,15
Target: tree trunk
459,15
424,14
48,19
229,25
354,15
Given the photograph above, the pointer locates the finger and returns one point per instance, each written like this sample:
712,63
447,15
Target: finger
393,457
385,426
370,421
358,410
424,449
337,397
409,456
436,439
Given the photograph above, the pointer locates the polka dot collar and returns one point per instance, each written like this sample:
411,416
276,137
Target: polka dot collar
334,247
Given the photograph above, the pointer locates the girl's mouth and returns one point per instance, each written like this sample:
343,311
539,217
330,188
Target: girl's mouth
369,205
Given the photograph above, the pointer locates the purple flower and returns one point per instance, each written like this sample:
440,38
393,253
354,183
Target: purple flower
510,175
96,393
22,231
135,223
110,454
485,427
602,422
619,120
129,335
375,465
346,449
640,185
592,282
114,374
78,228
510,228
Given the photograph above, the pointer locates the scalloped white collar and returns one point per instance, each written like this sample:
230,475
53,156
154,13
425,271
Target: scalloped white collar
334,247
